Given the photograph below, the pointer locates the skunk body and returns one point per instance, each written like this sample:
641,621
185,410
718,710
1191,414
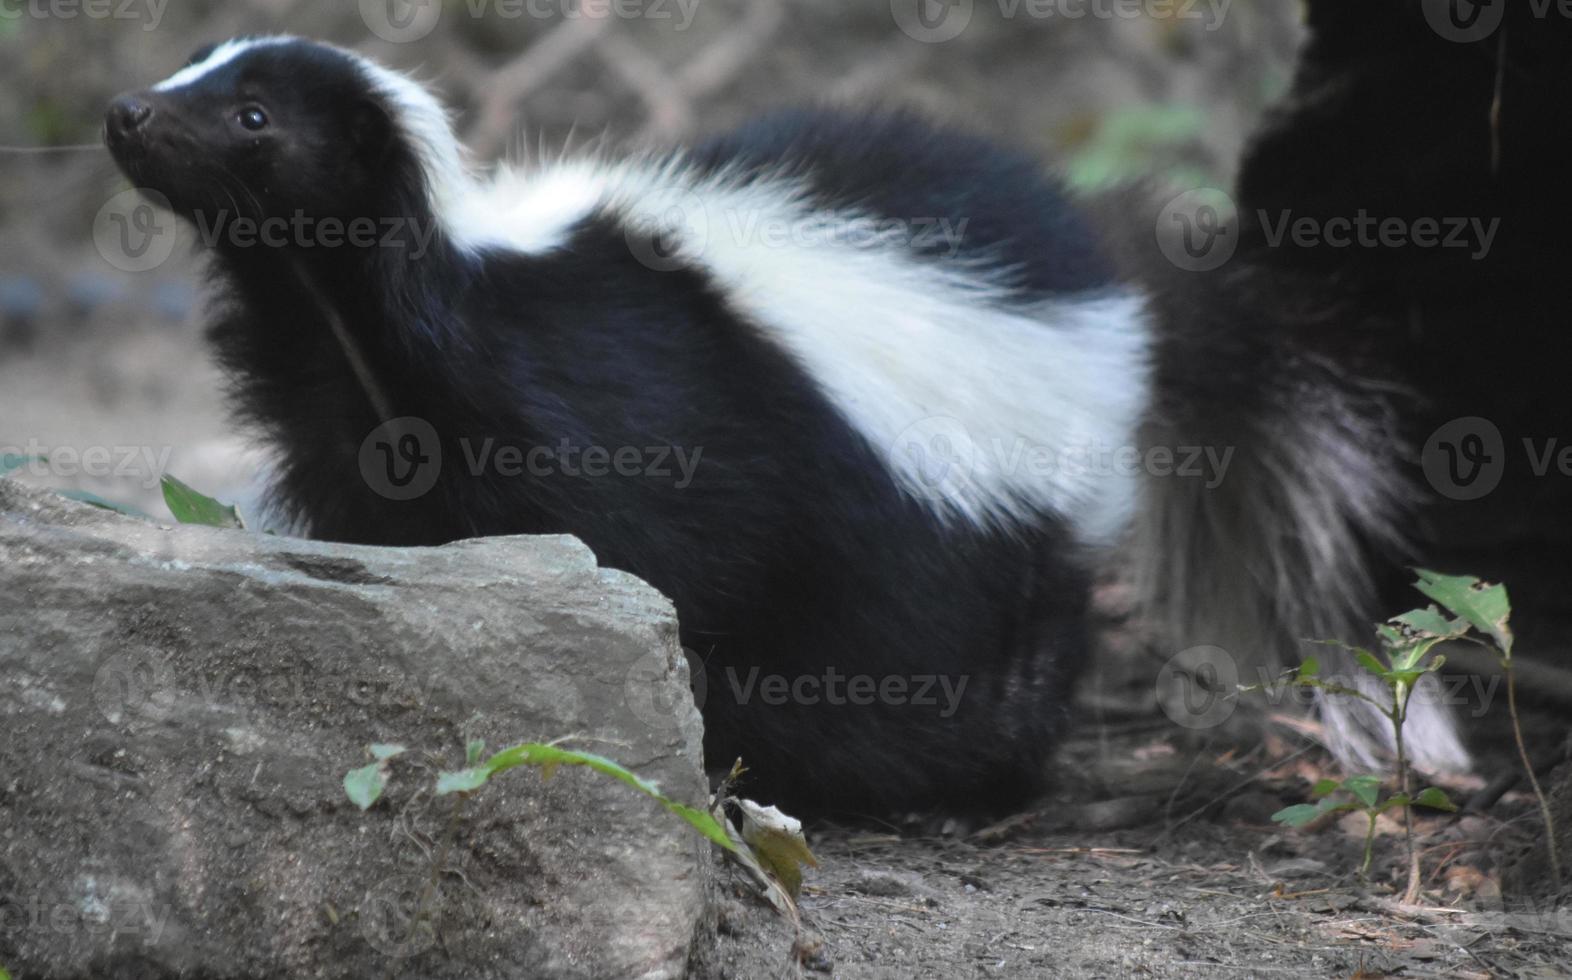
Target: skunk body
859,395
870,640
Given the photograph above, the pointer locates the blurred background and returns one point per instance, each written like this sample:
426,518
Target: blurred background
104,370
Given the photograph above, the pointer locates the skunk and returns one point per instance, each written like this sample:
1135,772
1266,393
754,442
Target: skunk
865,398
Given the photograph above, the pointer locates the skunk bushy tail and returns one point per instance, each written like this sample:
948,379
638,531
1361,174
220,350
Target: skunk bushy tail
1294,541
1331,367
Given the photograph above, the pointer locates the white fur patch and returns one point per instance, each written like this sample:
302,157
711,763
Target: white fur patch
216,59
990,410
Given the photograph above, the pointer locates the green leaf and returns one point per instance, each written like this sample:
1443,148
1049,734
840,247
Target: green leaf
364,786
1436,799
474,751
1485,606
1365,788
4,973
463,781
94,500
191,507
548,757
1310,668
1430,622
1371,663
1297,815
1392,802
1325,787
383,753
1408,660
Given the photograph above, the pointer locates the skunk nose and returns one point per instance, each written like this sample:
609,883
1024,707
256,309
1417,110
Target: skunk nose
127,114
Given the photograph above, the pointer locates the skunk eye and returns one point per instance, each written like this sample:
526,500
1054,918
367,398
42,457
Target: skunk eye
253,118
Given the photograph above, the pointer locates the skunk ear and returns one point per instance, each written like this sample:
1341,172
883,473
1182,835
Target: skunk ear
370,132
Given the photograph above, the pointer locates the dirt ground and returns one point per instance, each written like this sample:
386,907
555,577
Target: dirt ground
1158,858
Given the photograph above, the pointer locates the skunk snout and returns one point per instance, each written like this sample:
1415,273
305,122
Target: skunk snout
127,115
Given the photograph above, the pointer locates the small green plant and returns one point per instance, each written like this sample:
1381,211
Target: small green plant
770,845
1407,645
1358,794
1408,642
1487,611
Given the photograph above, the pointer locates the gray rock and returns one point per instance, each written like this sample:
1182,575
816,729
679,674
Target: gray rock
181,704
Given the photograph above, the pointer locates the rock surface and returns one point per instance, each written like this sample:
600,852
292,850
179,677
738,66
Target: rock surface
181,705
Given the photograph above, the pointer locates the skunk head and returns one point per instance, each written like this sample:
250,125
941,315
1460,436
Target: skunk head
286,128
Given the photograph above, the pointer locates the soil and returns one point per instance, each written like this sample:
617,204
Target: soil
1154,858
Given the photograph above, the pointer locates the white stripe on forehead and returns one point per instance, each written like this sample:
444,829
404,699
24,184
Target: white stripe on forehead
220,56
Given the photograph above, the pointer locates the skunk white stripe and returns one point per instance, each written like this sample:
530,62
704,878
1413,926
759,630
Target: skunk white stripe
990,410
218,58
